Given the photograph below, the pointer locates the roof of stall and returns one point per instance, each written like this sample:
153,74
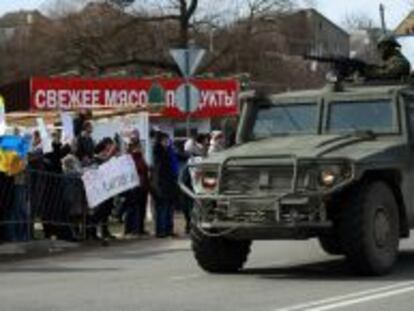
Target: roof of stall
28,119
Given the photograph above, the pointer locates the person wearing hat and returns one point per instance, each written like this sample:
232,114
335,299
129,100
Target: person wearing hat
136,199
164,183
395,66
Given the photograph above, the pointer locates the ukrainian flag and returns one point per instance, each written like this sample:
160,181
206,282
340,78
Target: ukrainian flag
13,153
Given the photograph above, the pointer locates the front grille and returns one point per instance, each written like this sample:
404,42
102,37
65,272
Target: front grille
253,211
246,180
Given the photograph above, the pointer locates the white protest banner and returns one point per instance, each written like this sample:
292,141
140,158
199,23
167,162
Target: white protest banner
44,135
68,131
3,125
110,179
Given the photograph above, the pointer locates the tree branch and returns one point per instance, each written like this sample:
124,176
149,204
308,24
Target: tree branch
143,62
191,10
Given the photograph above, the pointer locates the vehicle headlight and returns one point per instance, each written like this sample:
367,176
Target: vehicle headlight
204,181
209,180
316,176
328,177
332,175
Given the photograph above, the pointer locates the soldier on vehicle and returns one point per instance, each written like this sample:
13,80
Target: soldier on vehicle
395,65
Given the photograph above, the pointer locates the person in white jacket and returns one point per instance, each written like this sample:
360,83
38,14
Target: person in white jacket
193,148
217,142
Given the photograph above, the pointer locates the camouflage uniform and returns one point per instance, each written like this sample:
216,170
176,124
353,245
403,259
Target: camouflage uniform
395,66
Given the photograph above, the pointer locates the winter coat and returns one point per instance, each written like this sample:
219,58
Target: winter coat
73,194
164,182
85,147
55,157
142,170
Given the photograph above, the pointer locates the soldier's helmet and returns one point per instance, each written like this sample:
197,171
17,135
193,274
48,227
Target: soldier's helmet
388,41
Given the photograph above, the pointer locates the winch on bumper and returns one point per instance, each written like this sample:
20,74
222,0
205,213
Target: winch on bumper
274,198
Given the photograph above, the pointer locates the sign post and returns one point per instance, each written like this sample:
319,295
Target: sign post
3,125
67,127
187,93
188,61
44,135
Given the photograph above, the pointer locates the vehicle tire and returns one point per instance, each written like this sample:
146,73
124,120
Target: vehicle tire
219,254
369,229
331,244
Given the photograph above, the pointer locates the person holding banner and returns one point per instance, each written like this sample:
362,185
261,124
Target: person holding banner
136,199
105,150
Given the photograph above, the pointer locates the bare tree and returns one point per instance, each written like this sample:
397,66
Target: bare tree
248,36
364,36
358,20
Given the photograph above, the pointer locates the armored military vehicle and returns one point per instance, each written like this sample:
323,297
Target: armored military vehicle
336,164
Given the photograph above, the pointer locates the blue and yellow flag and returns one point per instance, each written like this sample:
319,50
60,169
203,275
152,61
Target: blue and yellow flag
13,153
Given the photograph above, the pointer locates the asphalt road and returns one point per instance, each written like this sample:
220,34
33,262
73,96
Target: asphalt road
162,276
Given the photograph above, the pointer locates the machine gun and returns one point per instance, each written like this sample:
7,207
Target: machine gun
344,67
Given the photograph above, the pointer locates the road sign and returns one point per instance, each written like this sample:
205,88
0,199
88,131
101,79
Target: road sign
188,60
188,98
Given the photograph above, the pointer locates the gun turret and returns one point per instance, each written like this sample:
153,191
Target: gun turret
344,67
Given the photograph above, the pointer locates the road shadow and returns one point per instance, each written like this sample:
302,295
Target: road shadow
142,254
137,255
333,270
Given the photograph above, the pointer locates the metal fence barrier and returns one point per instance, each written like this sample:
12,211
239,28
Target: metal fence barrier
56,201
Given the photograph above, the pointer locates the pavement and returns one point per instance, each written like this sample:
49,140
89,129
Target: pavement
161,275
35,248
13,251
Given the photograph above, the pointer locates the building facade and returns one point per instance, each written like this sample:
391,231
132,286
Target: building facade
310,32
18,24
406,27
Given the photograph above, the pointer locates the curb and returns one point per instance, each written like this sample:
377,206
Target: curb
13,252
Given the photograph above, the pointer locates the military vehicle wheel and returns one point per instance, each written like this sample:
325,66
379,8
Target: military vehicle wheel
331,244
218,254
369,229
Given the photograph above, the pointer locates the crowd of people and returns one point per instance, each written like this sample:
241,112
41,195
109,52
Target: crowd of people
64,166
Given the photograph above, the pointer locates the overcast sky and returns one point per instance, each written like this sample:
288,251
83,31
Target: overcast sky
333,9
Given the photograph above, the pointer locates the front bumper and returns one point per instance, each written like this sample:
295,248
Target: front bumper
294,214
262,219
276,231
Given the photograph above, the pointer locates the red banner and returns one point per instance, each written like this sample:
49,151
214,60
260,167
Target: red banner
217,97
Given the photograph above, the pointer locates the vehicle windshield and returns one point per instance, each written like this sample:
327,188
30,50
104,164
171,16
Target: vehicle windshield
291,119
375,116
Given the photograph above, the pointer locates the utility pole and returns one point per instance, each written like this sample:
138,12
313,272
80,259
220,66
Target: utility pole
382,15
